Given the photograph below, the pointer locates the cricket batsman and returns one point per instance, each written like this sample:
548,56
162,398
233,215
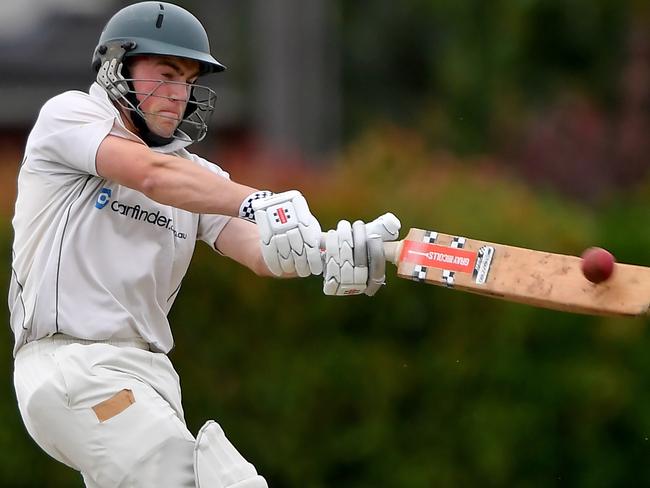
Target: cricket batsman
110,204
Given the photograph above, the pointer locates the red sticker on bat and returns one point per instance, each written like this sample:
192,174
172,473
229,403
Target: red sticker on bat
437,256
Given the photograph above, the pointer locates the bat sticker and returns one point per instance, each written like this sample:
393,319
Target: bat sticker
441,257
483,263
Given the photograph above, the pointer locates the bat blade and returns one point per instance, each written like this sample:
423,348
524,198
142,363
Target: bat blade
516,274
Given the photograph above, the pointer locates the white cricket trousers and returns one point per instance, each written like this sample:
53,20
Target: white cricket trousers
111,410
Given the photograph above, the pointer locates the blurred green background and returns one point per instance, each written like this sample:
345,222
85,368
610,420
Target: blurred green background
522,122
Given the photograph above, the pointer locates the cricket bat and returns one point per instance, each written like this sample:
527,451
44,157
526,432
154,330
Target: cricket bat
537,278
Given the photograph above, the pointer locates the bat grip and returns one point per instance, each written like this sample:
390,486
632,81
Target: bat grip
392,249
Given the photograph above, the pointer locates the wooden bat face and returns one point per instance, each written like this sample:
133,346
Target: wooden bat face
517,274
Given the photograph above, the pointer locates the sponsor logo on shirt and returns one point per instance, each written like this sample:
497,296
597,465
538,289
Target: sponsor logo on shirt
103,198
136,212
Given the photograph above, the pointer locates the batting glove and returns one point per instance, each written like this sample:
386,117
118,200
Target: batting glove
354,256
289,233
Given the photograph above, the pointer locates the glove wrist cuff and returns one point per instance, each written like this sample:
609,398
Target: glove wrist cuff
246,211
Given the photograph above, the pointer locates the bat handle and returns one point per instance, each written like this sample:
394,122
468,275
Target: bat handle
392,249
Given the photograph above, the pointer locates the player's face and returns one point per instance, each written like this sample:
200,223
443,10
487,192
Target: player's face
163,87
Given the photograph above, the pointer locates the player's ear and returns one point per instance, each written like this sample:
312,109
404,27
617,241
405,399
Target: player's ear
128,64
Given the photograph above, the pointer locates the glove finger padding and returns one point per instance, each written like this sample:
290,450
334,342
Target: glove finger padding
271,257
360,253
377,264
384,228
342,276
360,250
387,226
314,258
302,264
332,271
344,233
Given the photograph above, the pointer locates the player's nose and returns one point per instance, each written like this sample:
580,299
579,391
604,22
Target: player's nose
177,92
180,92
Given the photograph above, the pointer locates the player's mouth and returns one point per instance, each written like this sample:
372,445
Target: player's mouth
168,114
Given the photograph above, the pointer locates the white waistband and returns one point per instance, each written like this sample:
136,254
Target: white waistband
58,340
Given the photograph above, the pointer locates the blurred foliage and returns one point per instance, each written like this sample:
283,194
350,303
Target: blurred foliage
558,89
463,69
418,386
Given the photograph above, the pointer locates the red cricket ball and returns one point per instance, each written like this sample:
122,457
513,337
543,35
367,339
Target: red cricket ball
597,264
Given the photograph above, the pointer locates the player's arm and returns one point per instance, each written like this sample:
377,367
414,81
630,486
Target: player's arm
168,179
354,254
288,233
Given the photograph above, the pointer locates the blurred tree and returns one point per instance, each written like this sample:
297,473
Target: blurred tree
557,87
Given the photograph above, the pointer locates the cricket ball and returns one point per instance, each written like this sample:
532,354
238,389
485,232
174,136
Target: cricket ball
597,264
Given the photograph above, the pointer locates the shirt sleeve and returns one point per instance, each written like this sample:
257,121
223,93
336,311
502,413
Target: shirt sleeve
67,134
211,225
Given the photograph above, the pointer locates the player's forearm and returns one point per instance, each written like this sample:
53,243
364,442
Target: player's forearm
170,180
180,183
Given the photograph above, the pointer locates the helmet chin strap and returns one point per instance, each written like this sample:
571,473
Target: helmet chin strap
152,139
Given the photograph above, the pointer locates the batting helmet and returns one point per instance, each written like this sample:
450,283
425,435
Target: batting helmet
157,28
160,29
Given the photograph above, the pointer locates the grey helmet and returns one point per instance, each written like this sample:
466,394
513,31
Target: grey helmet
155,28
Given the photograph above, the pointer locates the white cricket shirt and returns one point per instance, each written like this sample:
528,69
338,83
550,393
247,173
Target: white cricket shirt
91,258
